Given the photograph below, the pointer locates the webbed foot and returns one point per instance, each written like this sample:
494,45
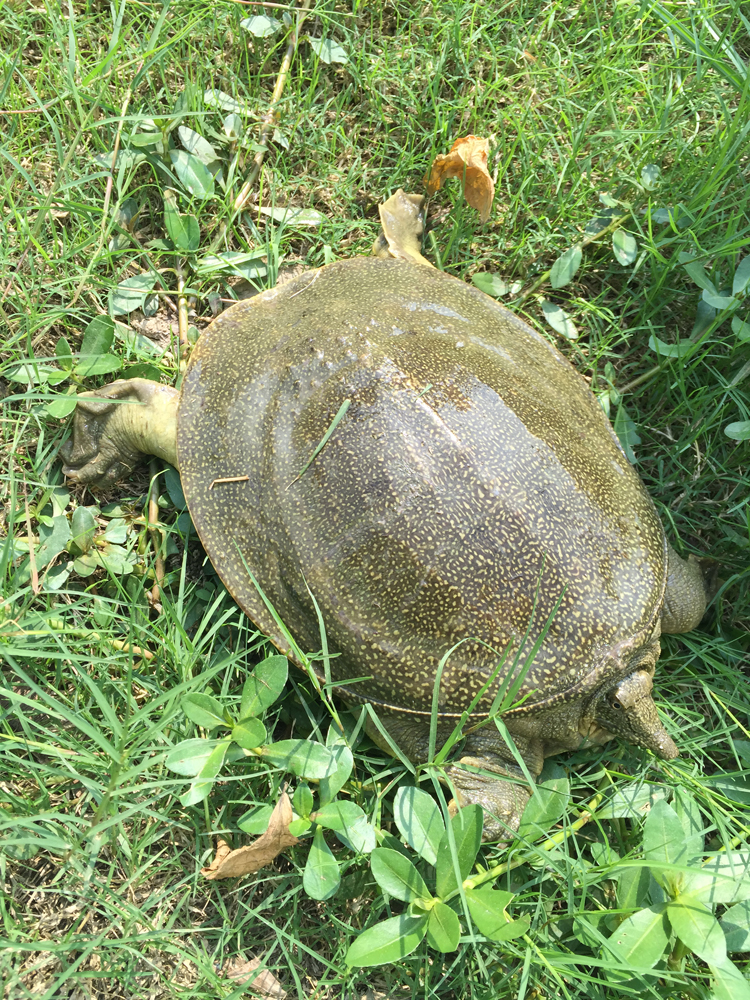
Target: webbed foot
502,798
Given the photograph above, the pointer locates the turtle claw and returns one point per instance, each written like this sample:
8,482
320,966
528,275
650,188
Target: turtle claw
502,799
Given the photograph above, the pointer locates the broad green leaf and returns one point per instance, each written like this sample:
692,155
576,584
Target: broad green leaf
443,928
105,364
559,320
189,757
342,764
337,815
150,140
741,277
321,877
688,812
466,826
218,99
349,823
82,529
116,531
397,876
204,779
53,539
197,145
650,176
63,354
358,836
663,835
183,230
142,370
328,51
697,927
97,341
303,800
232,126
547,804
698,273
246,265
130,294
632,886
249,733
255,821
736,926
295,216
624,246
305,758
604,854
203,710
565,267
704,317
419,821
664,841
57,575
631,802
491,284
741,327
724,878
299,827
139,344
487,909
719,301
739,431
641,939
174,487
115,559
264,685
62,406
729,982
735,789
387,942
626,432
193,173
678,350
261,25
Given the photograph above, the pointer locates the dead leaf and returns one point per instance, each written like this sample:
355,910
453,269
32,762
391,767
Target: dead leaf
264,982
245,860
467,160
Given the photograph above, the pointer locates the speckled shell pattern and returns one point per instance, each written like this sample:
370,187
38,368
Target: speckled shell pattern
472,487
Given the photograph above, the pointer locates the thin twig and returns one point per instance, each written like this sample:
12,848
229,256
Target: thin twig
153,528
271,117
32,557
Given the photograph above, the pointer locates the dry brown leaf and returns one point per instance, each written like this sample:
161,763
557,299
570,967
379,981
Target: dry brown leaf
245,860
263,982
467,160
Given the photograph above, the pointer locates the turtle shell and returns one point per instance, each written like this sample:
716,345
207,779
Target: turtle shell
470,504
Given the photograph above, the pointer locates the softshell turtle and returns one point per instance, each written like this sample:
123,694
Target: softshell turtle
470,516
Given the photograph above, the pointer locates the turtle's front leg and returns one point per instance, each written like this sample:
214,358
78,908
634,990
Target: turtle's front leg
115,426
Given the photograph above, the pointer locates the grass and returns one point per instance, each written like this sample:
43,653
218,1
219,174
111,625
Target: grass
102,894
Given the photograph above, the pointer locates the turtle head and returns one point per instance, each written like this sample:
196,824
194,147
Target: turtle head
627,710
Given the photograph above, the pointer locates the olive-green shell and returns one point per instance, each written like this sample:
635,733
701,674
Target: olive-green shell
472,485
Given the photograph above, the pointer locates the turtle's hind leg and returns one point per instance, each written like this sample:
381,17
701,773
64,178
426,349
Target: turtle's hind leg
115,426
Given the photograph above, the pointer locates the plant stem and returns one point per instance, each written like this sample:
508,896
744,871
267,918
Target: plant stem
271,117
